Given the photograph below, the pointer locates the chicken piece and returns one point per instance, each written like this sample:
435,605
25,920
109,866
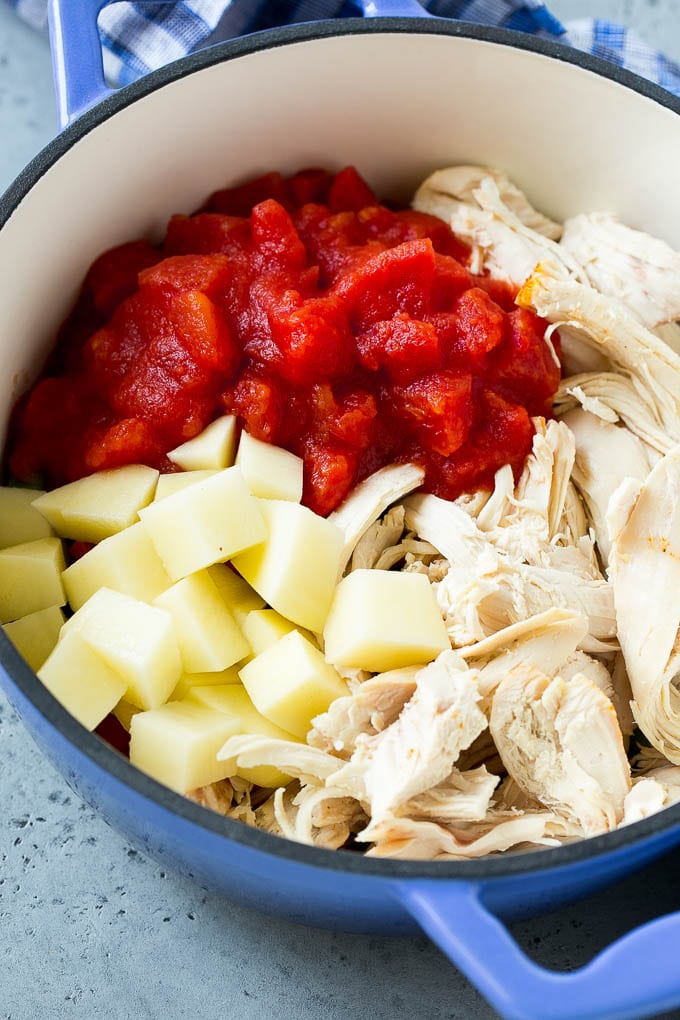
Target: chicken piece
447,527
525,591
378,537
308,764
217,797
464,795
440,192
545,642
573,525
369,500
497,505
669,332
645,572
613,397
577,354
622,695
586,665
632,349
374,705
414,839
605,455
540,495
420,749
562,745
318,817
641,271
646,798
501,243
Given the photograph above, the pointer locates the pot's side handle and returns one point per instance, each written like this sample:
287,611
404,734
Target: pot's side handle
636,976
393,9
76,56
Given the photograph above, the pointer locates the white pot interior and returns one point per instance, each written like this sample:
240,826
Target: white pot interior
397,106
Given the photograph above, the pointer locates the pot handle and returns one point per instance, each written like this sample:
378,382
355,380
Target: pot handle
77,52
393,9
634,977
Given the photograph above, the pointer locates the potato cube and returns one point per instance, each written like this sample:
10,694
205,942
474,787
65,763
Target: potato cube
239,597
381,619
124,712
205,523
30,578
268,470
134,639
291,682
263,628
126,562
35,636
213,448
19,522
234,702
295,570
80,679
188,681
99,505
178,744
208,637
169,484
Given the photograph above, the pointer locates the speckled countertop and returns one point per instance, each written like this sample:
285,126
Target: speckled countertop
91,928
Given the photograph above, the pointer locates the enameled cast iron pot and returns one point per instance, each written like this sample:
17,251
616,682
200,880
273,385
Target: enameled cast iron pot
397,96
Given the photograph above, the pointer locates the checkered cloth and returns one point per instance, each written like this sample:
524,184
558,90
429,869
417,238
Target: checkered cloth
138,37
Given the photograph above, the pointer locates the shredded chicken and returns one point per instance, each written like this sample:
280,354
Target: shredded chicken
645,569
561,743
639,270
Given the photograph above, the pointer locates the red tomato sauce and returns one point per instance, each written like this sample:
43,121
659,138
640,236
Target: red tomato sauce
348,332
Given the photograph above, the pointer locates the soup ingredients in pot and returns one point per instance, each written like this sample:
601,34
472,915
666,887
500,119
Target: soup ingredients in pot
437,670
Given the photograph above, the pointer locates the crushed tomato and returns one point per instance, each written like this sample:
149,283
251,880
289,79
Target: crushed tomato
350,333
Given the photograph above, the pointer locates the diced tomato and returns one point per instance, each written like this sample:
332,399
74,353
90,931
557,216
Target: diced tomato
329,474
113,276
240,200
406,348
259,403
438,410
351,333
396,280
349,191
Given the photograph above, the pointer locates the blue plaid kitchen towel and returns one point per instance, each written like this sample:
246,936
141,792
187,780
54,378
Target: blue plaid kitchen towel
138,37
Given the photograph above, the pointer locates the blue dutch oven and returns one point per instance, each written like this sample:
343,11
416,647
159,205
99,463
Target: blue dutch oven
398,96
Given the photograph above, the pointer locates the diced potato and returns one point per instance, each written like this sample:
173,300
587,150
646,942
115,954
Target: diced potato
208,637
291,682
136,640
169,484
188,681
238,596
205,523
236,704
178,744
80,679
35,636
99,505
30,578
295,570
263,628
268,470
19,522
381,619
126,562
213,448
124,711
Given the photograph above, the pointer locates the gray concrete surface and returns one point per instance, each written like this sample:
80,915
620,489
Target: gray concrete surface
90,928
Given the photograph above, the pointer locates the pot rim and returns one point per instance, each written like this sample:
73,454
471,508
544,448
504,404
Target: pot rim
100,754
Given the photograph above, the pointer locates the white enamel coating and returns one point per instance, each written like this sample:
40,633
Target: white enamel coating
397,106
